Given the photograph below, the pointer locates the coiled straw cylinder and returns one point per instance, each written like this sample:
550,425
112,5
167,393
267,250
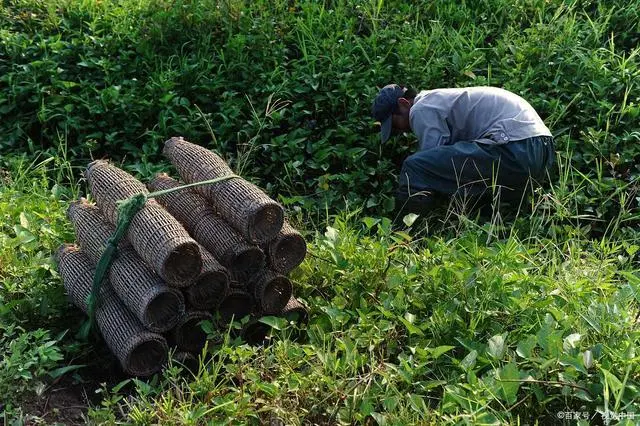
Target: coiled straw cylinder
245,206
295,311
207,292
214,233
236,305
154,234
76,270
272,291
140,352
157,306
188,335
110,184
287,250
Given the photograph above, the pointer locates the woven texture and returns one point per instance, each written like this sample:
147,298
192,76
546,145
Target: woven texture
76,271
241,258
109,184
186,205
237,304
188,335
92,229
295,311
245,206
272,291
214,233
165,245
287,250
155,304
155,235
140,352
207,292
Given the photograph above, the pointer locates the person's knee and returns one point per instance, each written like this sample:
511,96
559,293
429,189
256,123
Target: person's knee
413,176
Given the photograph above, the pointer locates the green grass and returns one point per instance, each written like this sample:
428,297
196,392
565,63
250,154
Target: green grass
508,318
461,321
118,78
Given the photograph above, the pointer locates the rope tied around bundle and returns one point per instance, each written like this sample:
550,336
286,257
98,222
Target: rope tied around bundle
127,209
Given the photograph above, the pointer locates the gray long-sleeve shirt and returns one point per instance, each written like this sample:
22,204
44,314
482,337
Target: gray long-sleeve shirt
488,115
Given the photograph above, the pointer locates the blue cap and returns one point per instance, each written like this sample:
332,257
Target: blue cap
384,105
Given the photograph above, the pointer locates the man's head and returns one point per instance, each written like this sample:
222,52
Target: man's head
391,108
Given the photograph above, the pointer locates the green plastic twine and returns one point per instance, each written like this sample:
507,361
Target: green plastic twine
127,209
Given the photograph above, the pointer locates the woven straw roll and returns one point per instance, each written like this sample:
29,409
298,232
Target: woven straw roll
237,304
245,206
76,271
140,352
186,205
295,311
210,287
158,306
272,291
155,304
241,259
155,235
109,184
237,284
214,233
188,335
92,229
165,245
287,250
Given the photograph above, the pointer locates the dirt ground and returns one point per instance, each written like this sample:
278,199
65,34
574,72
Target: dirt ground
64,403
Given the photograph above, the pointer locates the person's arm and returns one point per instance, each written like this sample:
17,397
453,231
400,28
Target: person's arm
430,126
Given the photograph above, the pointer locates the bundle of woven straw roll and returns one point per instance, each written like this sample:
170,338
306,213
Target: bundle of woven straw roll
217,252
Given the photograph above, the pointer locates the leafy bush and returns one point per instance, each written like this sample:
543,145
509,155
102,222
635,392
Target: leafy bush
118,78
27,357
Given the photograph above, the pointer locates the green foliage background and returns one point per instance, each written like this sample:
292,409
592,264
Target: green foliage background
452,320
118,78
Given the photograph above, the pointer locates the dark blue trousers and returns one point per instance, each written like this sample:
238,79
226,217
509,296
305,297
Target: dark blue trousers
471,170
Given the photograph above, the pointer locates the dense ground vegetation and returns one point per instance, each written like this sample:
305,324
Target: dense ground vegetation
518,317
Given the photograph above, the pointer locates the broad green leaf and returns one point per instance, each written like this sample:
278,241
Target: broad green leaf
509,377
496,347
469,361
571,342
487,419
410,219
411,328
525,347
23,236
366,407
120,385
390,402
277,323
410,317
574,362
550,341
436,352
370,222
380,419
24,222
614,383
64,370
417,403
